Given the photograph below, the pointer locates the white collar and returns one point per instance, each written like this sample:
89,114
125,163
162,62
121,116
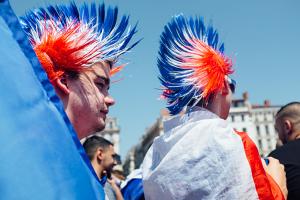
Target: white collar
195,114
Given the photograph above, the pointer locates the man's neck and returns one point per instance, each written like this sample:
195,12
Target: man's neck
98,169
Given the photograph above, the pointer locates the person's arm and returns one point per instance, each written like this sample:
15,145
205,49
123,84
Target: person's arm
277,178
116,189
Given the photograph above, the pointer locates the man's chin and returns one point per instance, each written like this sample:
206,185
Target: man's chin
101,124
100,129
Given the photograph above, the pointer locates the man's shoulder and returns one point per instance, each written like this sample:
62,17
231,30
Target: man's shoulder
275,153
287,150
280,151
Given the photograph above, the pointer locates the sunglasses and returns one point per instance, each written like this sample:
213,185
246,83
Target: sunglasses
232,84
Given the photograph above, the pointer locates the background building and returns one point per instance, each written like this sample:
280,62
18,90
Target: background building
257,120
137,153
112,133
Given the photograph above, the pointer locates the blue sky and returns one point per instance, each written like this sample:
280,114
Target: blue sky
262,37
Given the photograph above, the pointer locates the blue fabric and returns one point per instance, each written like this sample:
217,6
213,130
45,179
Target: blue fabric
133,190
41,156
103,180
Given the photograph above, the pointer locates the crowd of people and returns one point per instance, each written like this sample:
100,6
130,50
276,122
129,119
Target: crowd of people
199,156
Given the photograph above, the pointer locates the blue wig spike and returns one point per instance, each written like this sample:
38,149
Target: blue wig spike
73,10
84,13
93,14
122,27
221,49
101,16
112,38
110,20
183,44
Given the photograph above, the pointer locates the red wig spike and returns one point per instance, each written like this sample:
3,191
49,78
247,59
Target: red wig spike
116,69
70,49
210,68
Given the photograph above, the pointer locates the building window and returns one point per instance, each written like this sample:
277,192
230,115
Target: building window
244,130
232,118
259,144
267,129
243,118
258,130
269,144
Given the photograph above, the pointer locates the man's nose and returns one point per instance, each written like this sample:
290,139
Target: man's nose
109,100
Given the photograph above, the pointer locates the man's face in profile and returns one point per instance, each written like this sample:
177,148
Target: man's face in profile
109,160
89,99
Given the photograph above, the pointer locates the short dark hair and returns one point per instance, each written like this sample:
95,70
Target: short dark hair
289,110
92,143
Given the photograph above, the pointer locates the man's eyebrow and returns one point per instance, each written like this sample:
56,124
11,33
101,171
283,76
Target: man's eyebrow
110,63
105,79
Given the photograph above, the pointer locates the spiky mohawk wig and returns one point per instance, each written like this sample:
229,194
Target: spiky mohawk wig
191,63
70,38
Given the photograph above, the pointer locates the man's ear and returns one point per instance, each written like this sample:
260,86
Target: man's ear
62,85
225,89
288,126
100,153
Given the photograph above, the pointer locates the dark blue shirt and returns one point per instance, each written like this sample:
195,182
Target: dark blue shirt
289,156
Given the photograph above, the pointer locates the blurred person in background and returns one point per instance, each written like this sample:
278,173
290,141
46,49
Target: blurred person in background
287,125
103,158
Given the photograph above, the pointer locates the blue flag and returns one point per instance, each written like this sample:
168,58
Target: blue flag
41,156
